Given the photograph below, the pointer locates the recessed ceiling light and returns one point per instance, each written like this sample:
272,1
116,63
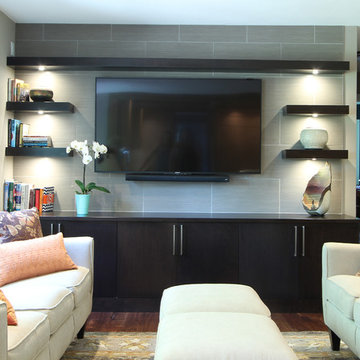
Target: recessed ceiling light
315,71
40,112
41,68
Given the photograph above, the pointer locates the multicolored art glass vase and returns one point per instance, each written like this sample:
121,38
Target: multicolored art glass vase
316,198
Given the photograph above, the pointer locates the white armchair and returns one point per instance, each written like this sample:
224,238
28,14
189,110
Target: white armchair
341,294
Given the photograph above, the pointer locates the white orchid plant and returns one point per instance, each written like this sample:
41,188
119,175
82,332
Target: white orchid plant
84,150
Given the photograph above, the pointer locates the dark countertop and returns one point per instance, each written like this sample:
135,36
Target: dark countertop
159,216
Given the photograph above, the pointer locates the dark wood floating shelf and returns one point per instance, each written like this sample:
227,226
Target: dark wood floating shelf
164,64
316,109
47,107
37,151
311,154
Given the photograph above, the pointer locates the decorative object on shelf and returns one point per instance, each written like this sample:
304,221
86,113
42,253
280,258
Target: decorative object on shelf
312,138
316,198
83,149
41,95
82,203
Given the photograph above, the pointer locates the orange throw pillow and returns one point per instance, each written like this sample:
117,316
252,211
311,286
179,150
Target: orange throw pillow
29,258
11,317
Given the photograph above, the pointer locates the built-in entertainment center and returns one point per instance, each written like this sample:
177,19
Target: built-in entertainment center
138,254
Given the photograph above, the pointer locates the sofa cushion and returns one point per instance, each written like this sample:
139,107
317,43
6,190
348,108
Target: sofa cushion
212,297
55,301
28,339
342,291
11,316
78,281
19,225
25,259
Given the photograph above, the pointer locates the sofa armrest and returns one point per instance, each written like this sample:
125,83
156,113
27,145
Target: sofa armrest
340,259
81,251
3,330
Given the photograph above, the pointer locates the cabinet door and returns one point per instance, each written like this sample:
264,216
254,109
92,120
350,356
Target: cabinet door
312,239
104,234
268,263
208,254
146,264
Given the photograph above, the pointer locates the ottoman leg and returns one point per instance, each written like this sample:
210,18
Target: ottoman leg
334,341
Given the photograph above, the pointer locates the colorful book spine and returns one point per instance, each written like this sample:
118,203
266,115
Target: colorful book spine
15,132
9,132
41,200
11,197
37,198
31,198
17,196
6,195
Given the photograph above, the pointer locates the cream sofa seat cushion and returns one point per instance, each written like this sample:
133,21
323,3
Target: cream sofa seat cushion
342,292
56,302
29,337
78,281
211,297
220,335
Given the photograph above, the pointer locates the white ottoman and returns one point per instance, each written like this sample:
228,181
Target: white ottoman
211,297
220,335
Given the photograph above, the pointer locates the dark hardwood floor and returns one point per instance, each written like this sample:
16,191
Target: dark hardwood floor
148,321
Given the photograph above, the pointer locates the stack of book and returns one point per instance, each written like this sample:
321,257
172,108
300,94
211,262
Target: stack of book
20,196
16,132
18,90
37,140
18,135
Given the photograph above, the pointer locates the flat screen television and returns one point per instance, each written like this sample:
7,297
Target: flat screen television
179,126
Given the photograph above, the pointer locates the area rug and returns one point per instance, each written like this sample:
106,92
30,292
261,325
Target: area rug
308,345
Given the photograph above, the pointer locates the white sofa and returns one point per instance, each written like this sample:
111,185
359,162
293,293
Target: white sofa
51,309
341,294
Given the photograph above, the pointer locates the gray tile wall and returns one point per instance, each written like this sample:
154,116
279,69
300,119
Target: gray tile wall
280,185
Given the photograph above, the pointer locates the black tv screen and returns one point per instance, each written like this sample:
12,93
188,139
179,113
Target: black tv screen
165,126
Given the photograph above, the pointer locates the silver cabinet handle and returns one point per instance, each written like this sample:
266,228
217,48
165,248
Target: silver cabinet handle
59,227
303,241
181,240
295,241
174,240
51,229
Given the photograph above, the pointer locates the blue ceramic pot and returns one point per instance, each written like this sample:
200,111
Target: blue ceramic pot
82,203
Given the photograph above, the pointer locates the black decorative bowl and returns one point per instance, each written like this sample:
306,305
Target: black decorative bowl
41,95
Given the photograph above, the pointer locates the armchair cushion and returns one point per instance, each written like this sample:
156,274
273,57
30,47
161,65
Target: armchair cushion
11,317
342,291
25,259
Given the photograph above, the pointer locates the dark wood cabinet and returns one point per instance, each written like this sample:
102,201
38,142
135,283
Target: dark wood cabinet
208,253
154,256
138,256
146,259
282,261
105,249
268,263
312,238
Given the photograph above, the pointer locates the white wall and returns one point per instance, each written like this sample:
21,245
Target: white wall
7,34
